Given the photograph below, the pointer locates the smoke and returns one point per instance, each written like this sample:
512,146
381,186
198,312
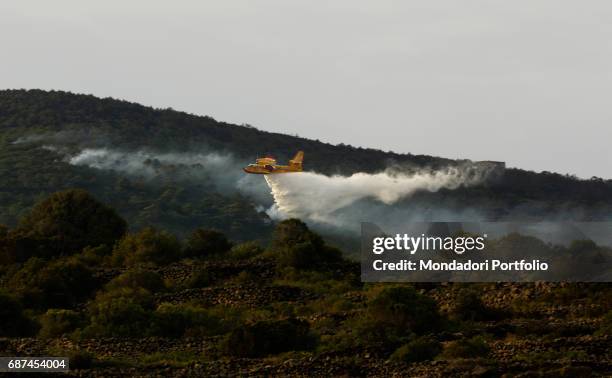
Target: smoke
212,168
339,201
324,199
147,164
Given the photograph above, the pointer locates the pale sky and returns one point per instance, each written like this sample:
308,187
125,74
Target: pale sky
528,82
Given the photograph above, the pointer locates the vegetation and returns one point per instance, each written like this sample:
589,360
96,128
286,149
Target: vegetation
295,246
147,246
13,321
71,122
297,299
60,283
404,309
202,279
269,337
59,322
420,349
475,347
468,306
207,243
70,221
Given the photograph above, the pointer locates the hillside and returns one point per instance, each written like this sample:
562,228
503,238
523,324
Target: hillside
38,129
144,304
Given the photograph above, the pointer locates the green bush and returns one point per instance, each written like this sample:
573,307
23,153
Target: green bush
372,333
269,337
404,309
147,246
138,278
297,247
605,328
293,231
58,322
244,251
13,321
59,283
466,348
198,279
71,220
206,243
124,312
95,255
467,305
172,320
80,359
421,349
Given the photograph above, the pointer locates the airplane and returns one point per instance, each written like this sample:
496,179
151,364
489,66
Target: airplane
267,165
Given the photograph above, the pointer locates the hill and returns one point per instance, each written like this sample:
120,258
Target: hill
144,304
39,129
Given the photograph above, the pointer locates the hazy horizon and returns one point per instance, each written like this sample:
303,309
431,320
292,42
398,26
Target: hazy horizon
521,82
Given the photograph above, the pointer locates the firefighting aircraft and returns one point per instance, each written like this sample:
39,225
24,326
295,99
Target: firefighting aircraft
267,165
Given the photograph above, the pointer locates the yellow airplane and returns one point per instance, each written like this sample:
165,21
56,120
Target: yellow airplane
267,165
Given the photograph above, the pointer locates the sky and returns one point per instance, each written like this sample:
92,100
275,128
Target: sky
528,82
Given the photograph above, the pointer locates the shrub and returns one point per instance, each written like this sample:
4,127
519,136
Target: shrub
467,305
606,325
13,321
421,349
17,246
58,322
147,246
59,283
299,256
372,333
198,279
206,243
137,278
466,348
297,247
245,251
269,337
95,255
80,359
293,231
172,320
406,310
71,220
120,313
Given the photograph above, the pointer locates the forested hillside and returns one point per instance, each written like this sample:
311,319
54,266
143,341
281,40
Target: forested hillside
38,128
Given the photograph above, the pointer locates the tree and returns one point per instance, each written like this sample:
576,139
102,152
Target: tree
13,322
138,278
59,283
404,309
147,246
292,232
70,220
120,313
298,247
204,242
269,337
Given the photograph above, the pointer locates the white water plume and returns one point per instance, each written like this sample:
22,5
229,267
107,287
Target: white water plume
316,197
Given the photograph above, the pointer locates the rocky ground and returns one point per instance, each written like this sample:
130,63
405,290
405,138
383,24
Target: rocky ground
544,338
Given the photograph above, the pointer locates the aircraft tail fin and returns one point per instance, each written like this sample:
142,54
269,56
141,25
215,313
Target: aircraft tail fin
297,159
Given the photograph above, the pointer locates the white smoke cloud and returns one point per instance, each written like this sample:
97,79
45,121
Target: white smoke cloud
220,170
143,163
338,201
318,197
